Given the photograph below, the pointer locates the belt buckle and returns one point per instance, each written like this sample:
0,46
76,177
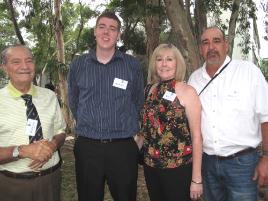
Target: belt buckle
37,173
105,141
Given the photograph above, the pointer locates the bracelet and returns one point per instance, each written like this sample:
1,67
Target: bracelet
197,182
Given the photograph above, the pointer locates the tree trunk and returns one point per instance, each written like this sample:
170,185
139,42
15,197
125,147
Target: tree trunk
61,60
232,25
152,26
14,20
184,40
200,19
188,14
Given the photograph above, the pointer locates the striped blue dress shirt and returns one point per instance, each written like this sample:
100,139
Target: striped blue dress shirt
101,110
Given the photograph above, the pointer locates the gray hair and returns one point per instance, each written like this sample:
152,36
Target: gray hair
5,52
215,27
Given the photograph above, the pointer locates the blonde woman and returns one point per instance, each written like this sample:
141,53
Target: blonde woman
171,130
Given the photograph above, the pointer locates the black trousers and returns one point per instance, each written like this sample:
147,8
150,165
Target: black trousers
114,162
171,184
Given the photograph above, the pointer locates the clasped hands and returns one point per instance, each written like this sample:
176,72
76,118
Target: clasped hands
39,151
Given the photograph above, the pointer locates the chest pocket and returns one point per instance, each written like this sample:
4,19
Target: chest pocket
237,100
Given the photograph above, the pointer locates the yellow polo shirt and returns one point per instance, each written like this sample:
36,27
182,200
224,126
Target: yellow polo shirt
13,122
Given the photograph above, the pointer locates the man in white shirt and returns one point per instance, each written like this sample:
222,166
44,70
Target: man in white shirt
234,122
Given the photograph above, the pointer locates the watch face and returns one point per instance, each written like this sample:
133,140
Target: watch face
15,153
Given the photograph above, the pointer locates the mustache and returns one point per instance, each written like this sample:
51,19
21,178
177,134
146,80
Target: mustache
212,53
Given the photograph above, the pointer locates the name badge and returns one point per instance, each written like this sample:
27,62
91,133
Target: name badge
31,127
169,96
119,83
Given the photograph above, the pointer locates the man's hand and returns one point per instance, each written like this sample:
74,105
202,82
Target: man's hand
35,165
261,171
41,150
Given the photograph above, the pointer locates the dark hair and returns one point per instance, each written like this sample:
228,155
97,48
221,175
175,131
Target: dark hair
215,27
109,14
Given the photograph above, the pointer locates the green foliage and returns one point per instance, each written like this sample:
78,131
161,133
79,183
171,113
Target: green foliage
265,22
264,68
7,34
36,22
2,73
133,14
87,40
247,12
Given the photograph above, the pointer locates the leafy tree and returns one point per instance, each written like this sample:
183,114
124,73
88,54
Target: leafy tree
7,35
264,68
181,22
132,13
35,21
265,9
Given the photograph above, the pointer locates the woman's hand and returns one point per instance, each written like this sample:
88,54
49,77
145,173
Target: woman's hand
196,190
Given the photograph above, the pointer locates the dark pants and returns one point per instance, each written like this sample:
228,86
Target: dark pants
44,188
114,162
171,184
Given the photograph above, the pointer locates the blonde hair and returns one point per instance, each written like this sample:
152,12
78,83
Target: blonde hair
180,64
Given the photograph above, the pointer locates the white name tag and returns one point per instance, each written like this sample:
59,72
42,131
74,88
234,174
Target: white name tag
119,83
31,127
169,96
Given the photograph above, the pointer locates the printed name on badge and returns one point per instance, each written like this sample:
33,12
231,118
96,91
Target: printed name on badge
119,83
169,96
31,127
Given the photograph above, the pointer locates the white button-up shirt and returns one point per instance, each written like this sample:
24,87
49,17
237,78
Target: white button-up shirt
233,106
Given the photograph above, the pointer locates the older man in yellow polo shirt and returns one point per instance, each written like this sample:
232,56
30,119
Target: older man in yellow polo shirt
29,163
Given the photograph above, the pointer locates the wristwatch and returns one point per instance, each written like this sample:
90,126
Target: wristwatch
16,152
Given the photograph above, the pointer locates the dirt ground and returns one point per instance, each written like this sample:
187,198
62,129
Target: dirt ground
69,183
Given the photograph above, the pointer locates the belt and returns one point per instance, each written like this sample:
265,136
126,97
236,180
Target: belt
31,175
240,153
109,140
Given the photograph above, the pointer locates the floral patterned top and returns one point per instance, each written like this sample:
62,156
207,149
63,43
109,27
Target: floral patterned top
167,138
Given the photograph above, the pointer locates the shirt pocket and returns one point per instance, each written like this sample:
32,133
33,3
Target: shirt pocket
236,110
236,100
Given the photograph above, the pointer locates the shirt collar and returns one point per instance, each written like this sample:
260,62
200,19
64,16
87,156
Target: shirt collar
16,93
204,72
117,55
